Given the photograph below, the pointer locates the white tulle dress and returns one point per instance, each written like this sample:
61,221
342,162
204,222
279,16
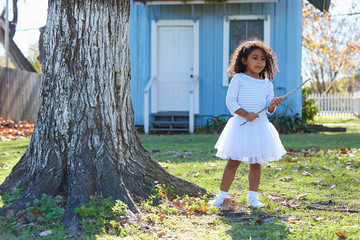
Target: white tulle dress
257,141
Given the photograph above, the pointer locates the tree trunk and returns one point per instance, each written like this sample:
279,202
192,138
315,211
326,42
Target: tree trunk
84,141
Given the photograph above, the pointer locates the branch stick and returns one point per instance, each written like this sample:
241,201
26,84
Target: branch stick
283,97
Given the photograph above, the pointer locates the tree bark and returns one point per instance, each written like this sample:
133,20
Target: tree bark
84,141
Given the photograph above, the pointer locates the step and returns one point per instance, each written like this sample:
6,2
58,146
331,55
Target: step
170,122
169,129
170,114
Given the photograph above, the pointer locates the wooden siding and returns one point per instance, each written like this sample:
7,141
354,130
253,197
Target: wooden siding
285,41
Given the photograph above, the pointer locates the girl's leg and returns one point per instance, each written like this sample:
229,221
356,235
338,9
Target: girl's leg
227,179
254,181
229,174
254,177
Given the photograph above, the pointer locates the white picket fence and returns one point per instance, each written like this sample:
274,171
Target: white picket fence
337,104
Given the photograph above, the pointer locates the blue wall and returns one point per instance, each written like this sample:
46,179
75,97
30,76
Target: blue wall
285,41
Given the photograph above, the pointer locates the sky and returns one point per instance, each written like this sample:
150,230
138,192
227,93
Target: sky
32,15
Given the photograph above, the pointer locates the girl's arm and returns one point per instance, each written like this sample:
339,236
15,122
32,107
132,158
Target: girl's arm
245,114
232,103
274,103
232,94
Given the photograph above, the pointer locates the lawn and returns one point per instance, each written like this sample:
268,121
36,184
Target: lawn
350,122
312,193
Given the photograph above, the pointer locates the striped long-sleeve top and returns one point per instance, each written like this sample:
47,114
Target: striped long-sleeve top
250,94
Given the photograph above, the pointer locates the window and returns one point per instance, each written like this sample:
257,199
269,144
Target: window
239,28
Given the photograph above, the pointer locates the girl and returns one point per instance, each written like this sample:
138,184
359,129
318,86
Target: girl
252,69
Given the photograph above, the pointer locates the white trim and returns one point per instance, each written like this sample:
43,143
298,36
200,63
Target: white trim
226,36
154,27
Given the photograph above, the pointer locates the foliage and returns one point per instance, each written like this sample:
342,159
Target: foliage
347,84
287,124
331,47
9,198
47,208
309,109
33,57
214,124
43,214
103,216
3,62
162,191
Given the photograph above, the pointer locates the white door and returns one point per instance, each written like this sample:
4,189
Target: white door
175,67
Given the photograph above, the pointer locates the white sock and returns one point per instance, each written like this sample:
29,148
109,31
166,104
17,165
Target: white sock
252,194
223,195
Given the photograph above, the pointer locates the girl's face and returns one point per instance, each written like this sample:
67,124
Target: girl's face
255,63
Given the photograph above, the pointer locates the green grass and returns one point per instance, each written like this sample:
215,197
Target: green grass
344,119
350,122
331,183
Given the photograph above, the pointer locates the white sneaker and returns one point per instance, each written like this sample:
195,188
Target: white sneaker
217,202
255,202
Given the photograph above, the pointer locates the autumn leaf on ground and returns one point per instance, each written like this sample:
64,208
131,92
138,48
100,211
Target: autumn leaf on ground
162,217
341,234
9,214
161,233
287,179
12,130
259,221
307,174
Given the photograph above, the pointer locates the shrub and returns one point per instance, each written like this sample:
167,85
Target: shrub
214,124
309,109
46,207
289,124
10,198
103,216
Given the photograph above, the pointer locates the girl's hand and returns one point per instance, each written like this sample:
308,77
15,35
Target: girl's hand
251,116
276,101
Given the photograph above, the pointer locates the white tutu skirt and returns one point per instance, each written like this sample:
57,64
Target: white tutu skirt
254,142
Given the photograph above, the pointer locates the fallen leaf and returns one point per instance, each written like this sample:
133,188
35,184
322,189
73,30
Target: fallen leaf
259,221
302,196
162,217
343,151
161,233
341,234
45,233
36,212
287,179
203,208
307,174
317,219
9,214
206,171
211,224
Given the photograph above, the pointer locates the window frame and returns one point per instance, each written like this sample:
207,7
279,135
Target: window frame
226,39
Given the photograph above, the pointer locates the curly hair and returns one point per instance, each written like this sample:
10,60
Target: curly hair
244,50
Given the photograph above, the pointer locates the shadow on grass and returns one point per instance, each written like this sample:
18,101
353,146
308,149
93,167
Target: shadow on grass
321,140
254,226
